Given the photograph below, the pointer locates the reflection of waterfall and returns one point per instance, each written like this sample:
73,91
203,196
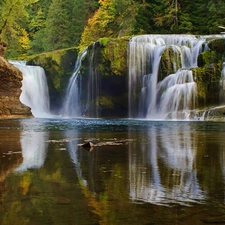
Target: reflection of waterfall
175,92
71,106
34,146
34,89
175,180
73,152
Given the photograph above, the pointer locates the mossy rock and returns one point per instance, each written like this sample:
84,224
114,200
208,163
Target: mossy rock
114,53
170,62
207,79
208,57
105,67
217,45
201,80
58,66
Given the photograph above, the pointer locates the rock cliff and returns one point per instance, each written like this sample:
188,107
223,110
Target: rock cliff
10,90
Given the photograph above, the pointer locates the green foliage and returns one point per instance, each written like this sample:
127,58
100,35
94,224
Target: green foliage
35,26
115,50
114,18
13,24
103,41
58,24
216,15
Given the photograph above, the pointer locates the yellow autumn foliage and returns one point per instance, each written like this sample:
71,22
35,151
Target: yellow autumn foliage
24,40
108,21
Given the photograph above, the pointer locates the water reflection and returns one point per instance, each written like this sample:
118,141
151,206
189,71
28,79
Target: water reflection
165,164
163,170
72,147
34,149
159,163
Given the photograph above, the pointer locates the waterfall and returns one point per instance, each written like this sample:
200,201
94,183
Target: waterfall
82,95
155,97
93,94
34,89
222,82
71,106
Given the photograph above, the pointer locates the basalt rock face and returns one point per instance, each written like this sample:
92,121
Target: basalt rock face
10,90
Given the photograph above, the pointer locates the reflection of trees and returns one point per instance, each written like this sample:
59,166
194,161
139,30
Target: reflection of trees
44,193
158,166
101,177
10,153
10,156
163,171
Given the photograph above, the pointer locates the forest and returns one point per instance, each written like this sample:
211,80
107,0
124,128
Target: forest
33,26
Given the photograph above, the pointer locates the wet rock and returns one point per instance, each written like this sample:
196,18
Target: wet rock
88,146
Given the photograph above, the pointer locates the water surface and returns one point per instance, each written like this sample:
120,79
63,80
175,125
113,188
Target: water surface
139,172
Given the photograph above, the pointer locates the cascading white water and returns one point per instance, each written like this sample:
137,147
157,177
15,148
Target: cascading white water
222,82
71,106
148,96
34,89
82,95
178,93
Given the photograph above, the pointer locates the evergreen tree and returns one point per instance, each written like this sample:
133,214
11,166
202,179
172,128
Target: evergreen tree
169,16
216,16
114,18
37,29
83,10
195,14
58,24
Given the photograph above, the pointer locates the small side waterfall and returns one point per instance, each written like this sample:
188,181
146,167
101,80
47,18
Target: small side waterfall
34,89
222,82
71,106
155,97
82,94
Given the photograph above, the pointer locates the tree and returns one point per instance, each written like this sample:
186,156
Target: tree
169,16
144,22
114,18
13,18
24,41
57,25
216,15
83,10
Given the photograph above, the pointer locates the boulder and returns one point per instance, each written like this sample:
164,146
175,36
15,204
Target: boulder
10,90
88,146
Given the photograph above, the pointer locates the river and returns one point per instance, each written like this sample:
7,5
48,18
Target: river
139,172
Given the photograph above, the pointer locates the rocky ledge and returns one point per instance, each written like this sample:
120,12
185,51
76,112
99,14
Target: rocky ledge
10,90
